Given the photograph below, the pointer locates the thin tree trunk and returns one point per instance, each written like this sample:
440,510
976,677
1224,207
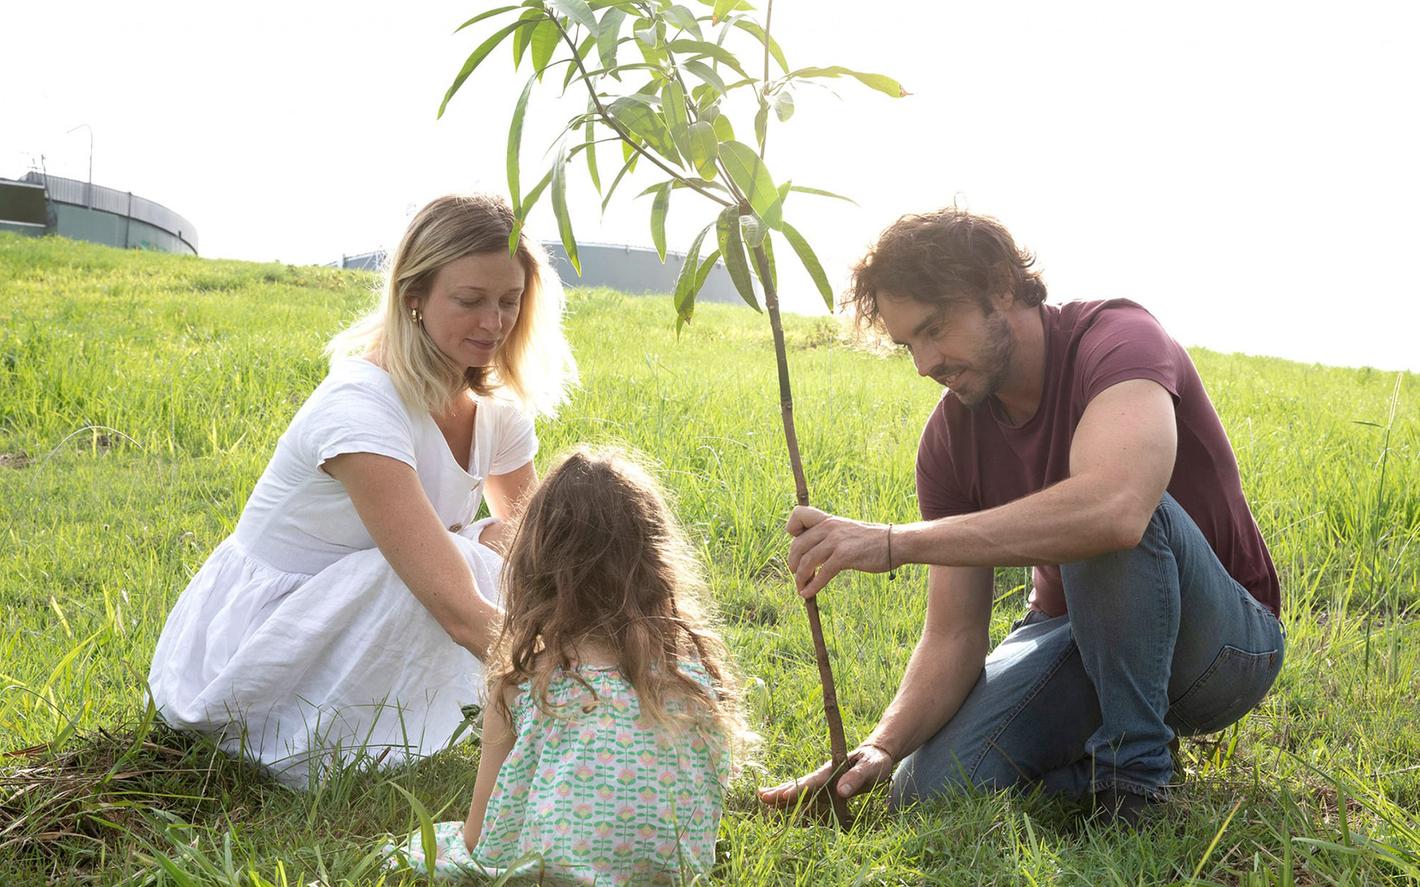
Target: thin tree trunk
837,745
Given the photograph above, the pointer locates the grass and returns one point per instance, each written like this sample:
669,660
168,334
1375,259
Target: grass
141,395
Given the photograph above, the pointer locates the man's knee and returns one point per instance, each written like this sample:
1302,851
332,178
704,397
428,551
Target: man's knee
1113,590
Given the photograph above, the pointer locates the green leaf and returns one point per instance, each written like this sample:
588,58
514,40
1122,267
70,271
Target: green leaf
483,15
705,268
692,183
427,842
684,19
592,148
701,276
752,177
722,9
659,206
881,82
559,207
762,37
608,36
810,262
783,105
578,11
702,48
520,37
761,124
544,44
475,59
732,250
705,73
532,196
704,148
701,183
704,96
637,116
515,146
647,33
686,283
514,236
674,113
723,130
822,193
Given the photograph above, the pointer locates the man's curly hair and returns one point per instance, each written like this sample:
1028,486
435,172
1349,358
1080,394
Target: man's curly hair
940,258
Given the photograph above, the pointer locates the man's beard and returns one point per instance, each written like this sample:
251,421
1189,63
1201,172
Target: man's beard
992,361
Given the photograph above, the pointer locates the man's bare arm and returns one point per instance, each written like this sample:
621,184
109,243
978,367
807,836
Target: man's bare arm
1121,459
946,662
944,667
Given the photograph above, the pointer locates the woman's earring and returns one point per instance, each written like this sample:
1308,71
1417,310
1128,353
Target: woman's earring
415,316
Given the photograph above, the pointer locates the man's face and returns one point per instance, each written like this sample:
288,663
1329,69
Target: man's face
960,346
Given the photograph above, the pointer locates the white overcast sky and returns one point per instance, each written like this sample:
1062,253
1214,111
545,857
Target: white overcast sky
1246,170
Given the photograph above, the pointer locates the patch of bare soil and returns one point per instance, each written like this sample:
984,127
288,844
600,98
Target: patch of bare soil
14,460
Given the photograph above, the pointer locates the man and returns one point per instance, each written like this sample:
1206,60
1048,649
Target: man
1077,440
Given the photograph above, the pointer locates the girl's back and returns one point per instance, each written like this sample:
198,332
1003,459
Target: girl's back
601,793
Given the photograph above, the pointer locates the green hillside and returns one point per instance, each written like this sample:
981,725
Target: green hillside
141,395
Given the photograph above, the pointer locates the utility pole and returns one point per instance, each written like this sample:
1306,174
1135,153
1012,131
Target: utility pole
89,188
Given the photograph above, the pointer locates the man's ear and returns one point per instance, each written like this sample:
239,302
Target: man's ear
1002,288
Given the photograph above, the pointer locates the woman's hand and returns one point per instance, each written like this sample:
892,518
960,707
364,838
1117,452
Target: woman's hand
825,546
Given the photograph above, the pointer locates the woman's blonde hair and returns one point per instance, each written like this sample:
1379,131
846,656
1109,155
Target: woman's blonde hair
598,558
534,364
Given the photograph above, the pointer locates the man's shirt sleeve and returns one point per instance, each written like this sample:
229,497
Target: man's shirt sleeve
1124,344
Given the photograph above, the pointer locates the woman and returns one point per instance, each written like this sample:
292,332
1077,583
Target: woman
348,613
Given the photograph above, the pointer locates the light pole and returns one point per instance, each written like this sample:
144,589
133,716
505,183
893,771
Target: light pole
89,188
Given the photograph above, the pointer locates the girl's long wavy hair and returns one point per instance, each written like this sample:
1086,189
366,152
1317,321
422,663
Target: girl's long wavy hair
534,365
598,557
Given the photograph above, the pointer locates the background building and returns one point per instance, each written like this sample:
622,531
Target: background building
43,204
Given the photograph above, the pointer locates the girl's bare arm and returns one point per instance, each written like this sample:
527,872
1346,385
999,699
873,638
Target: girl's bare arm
498,740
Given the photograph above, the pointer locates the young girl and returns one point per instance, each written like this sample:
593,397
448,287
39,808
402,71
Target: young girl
612,711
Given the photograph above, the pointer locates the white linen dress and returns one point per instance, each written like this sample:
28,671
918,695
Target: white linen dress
296,645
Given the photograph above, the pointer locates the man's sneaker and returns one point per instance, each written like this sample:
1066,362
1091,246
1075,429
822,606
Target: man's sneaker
1114,807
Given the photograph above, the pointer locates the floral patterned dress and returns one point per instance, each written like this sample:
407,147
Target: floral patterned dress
594,793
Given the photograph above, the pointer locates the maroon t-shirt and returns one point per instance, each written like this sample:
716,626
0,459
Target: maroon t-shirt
970,460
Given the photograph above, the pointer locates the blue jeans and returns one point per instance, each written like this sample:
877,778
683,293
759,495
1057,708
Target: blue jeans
1159,640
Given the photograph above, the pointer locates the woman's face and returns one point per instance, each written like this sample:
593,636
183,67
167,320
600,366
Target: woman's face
472,305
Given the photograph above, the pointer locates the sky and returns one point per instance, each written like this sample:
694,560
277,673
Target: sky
1247,171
